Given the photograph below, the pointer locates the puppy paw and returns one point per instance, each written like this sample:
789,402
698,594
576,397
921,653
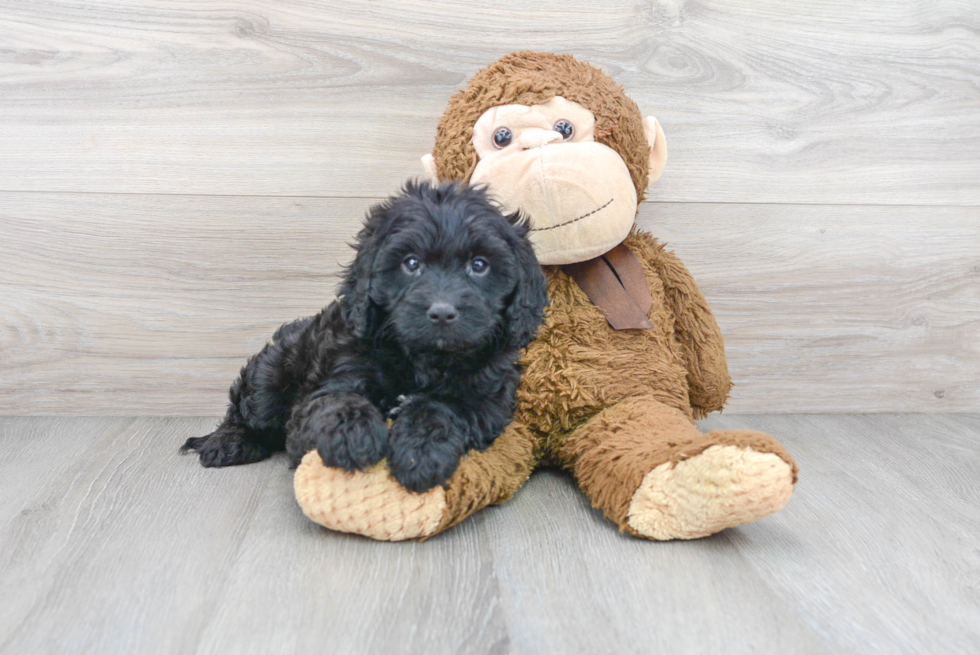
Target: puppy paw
348,431
426,445
357,438
226,447
420,467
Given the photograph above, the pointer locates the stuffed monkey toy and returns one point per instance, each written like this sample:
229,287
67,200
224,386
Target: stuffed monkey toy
629,354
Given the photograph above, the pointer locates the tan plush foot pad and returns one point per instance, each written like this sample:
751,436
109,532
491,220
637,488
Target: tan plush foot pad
722,487
370,503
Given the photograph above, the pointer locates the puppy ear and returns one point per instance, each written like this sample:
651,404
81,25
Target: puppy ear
360,312
526,308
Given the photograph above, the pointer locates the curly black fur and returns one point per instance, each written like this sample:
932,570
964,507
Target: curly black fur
435,347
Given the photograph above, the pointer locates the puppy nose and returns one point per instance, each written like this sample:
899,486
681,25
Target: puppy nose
442,313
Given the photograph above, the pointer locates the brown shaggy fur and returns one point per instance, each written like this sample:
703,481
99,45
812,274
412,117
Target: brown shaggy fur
533,78
491,476
609,405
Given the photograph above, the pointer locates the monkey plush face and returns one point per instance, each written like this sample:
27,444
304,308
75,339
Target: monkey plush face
569,149
545,161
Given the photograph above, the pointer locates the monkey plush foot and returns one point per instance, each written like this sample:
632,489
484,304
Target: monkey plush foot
369,503
655,475
372,503
723,486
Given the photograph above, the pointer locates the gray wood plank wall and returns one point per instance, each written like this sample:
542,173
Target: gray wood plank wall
177,180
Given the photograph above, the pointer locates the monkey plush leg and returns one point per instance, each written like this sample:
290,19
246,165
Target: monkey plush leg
373,504
655,475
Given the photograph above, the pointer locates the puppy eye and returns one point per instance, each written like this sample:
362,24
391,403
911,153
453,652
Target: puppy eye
479,266
502,137
565,128
411,265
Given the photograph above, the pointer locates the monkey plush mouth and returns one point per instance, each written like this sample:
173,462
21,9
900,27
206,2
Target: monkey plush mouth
574,220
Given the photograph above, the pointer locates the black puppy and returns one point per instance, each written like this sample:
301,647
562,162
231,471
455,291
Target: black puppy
443,293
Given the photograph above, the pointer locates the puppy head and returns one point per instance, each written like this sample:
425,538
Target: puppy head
440,268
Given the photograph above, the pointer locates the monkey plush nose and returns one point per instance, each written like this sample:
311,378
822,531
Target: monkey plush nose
535,137
442,313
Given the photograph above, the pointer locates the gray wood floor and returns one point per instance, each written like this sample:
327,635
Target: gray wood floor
112,543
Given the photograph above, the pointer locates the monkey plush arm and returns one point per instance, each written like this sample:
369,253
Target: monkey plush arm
696,330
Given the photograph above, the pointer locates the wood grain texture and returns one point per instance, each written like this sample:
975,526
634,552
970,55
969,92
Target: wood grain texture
838,309
127,304
118,545
772,102
878,546
117,537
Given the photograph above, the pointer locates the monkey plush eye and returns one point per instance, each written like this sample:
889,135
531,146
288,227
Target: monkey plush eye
411,265
502,137
479,266
565,128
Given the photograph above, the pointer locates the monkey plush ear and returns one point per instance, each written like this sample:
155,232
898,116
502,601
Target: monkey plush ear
429,169
658,147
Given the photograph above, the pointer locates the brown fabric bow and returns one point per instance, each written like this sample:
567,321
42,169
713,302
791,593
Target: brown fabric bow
616,284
